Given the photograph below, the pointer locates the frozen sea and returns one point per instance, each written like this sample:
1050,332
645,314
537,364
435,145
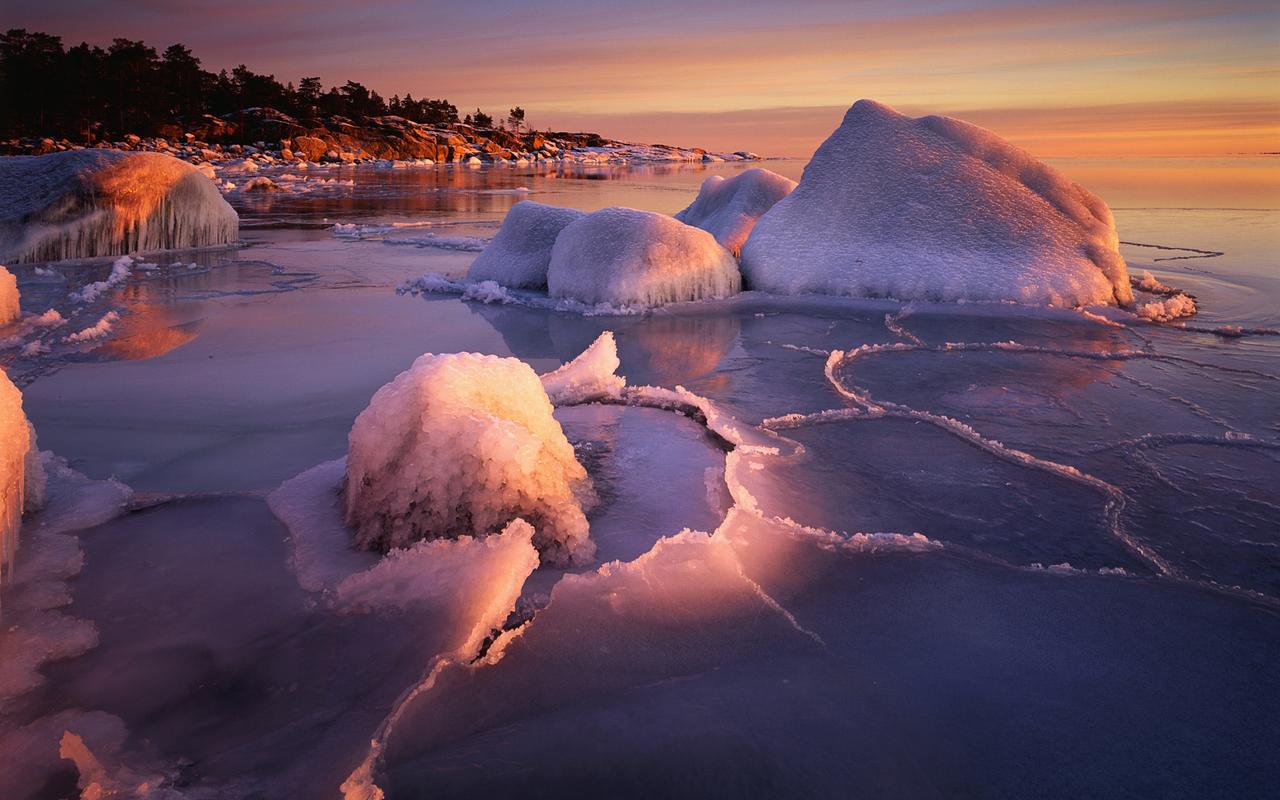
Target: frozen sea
1075,591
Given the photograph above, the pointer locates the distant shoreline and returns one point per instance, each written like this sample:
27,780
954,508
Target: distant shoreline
271,136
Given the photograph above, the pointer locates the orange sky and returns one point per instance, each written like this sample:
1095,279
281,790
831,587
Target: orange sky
1061,78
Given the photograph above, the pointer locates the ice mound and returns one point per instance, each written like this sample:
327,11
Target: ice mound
626,257
21,473
9,310
729,209
521,252
932,208
87,203
590,376
461,444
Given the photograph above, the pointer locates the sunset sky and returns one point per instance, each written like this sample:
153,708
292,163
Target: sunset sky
1060,78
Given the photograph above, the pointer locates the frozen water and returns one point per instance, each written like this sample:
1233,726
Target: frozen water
935,209
626,257
728,208
521,252
590,376
976,536
86,203
461,445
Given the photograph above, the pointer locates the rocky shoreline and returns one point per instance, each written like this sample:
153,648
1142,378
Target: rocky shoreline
269,136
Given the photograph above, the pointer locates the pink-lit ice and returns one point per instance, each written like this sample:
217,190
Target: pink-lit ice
521,252
728,208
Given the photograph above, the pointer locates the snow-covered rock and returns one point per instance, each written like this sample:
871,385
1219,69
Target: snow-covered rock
729,208
9,310
461,444
21,472
933,208
87,203
625,257
521,252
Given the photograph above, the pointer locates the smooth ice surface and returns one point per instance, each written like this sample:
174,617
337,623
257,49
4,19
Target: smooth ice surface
728,208
932,208
460,445
87,203
9,309
625,257
520,253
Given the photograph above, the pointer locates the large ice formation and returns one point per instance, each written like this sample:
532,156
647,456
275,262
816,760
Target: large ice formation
21,473
625,257
462,444
9,310
88,203
729,208
521,252
933,208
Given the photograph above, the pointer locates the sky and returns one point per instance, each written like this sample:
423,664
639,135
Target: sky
1062,79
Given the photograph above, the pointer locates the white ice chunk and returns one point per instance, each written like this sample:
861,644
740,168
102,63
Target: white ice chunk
729,208
461,444
627,257
521,252
9,309
590,376
87,203
932,208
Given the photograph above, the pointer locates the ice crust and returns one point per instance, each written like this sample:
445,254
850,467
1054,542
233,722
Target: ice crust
932,208
9,310
521,252
461,444
90,203
626,257
590,376
729,208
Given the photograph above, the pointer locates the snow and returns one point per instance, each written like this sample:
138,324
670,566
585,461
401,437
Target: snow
120,270
590,376
1150,283
933,208
729,208
521,252
97,202
461,444
1167,309
622,256
97,330
9,310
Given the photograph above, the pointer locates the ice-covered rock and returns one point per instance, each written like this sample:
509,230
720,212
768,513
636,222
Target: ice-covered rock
521,252
625,257
9,310
932,208
461,444
87,203
729,208
21,473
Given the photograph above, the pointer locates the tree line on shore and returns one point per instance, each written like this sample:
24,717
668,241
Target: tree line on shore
88,93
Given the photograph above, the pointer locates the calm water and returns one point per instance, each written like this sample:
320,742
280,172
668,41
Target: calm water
1145,663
